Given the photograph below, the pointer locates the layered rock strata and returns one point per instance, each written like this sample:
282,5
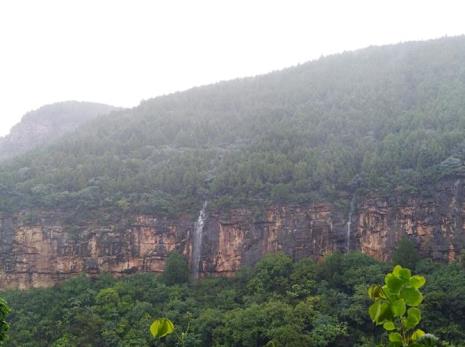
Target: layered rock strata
41,251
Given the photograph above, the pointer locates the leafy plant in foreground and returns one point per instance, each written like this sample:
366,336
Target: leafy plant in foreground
395,307
163,327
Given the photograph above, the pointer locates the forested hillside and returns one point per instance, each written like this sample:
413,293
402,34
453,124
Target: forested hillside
379,120
48,123
294,304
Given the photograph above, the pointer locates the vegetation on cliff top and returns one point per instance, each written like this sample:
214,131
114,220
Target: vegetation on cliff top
305,304
381,119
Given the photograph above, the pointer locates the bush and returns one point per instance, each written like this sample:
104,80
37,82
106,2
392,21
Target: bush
176,269
406,253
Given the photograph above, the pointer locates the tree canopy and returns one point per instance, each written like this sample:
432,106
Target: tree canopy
310,304
389,118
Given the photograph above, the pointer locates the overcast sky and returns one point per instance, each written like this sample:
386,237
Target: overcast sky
120,52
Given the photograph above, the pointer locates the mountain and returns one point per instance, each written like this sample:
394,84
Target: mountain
253,179
379,119
48,123
351,151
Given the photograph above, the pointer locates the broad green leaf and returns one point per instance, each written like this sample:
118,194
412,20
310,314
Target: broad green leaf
394,283
377,311
396,270
397,300
411,295
417,281
395,337
389,326
387,293
161,327
405,274
413,318
398,307
371,291
386,314
375,291
417,334
401,272
374,310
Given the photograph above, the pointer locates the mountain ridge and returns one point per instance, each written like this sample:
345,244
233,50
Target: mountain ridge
387,117
48,123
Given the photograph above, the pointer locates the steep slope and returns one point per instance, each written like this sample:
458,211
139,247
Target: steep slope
47,124
348,152
380,119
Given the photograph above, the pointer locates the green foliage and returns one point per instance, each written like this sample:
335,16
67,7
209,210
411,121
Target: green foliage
313,304
271,275
176,269
161,327
445,292
391,116
395,306
281,324
406,253
4,326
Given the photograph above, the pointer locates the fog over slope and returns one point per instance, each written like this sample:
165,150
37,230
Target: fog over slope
377,120
48,123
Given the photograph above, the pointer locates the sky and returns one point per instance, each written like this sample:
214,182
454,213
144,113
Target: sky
121,52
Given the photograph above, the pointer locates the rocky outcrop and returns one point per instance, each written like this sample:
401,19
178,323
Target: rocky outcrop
435,224
40,251
48,123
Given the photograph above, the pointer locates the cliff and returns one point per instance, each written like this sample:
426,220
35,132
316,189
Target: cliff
40,251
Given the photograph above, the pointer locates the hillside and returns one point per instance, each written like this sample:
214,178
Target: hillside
47,124
250,212
294,304
378,120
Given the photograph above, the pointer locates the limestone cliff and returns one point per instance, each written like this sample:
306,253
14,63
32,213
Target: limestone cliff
40,251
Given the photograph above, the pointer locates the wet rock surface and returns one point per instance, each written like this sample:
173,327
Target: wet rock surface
46,251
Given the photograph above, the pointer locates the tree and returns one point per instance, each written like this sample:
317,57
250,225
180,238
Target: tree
4,326
272,274
445,303
406,253
176,269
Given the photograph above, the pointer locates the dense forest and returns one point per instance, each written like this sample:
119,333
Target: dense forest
378,120
48,123
304,303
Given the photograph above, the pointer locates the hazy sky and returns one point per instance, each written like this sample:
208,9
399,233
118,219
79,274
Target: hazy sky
120,52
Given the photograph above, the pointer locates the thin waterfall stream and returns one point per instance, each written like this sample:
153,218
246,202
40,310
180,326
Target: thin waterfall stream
197,241
349,222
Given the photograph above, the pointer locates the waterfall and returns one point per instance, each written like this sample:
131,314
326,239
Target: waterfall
197,241
349,222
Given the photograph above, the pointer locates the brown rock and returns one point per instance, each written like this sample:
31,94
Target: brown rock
44,253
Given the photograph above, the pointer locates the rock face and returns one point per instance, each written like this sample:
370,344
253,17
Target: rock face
40,251
47,124
436,224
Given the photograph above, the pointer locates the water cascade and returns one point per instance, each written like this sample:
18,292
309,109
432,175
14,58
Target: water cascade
349,222
197,241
